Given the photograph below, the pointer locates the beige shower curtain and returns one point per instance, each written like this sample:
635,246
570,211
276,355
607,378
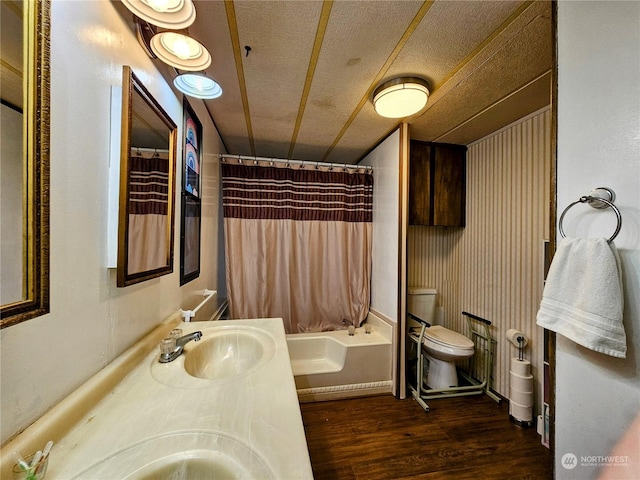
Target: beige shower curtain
298,245
148,203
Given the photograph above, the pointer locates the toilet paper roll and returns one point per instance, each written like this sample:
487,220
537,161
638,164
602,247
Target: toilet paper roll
521,398
513,335
520,367
521,384
520,412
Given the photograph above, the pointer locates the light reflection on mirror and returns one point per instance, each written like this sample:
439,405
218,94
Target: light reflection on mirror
24,149
145,230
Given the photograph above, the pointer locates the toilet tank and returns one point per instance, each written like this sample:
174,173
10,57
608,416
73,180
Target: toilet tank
421,302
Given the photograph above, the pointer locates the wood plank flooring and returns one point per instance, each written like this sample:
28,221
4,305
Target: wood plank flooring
384,438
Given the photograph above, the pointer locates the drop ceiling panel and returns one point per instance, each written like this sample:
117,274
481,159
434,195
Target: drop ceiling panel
281,36
11,53
516,62
211,28
528,99
448,34
360,37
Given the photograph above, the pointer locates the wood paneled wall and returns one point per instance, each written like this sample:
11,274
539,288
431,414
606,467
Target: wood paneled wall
494,267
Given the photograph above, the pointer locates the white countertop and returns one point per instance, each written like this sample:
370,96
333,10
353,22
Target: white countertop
255,412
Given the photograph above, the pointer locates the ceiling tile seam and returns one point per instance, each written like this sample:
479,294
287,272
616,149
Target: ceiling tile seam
519,11
13,6
383,70
484,110
10,67
313,62
437,96
235,42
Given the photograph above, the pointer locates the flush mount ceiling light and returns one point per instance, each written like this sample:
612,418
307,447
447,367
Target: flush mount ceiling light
180,51
197,85
401,97
174,14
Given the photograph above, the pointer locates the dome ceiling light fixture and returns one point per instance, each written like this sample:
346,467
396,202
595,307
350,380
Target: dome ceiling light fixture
180,51
198,85
401,97
172,14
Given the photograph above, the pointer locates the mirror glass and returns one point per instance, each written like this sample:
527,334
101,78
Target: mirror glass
147,185
24,158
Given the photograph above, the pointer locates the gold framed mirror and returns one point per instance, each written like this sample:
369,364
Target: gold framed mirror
24,219
147,185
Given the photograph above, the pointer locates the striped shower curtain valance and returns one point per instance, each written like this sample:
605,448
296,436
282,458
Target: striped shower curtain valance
149,186
296,194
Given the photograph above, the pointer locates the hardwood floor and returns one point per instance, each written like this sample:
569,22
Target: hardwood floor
388,439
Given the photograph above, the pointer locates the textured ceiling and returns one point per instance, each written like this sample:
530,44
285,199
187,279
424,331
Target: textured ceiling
304,90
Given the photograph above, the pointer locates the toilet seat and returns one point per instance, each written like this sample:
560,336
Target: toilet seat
447,345
447,338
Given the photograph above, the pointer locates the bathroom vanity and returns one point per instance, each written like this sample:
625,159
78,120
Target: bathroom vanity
225,408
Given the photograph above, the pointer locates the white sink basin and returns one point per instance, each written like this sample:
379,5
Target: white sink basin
224,354
192,455
228,353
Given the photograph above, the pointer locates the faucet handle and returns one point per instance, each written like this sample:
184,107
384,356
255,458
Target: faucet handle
176,333
167,345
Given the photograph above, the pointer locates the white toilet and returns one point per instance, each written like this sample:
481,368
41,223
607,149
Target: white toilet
441,346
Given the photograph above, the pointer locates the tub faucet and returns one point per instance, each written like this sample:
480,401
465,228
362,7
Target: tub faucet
170,352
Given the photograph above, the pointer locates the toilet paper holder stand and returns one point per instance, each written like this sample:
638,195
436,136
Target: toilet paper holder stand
518,339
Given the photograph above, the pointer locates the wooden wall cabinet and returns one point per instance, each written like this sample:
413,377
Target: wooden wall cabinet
437,184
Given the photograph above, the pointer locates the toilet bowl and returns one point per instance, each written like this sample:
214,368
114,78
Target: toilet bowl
443,347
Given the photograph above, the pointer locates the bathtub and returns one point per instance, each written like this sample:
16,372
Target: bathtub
333,365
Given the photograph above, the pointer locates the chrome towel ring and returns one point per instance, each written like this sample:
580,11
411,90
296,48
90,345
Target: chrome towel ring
595,201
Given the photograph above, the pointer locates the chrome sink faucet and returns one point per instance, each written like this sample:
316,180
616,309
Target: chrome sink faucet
172,347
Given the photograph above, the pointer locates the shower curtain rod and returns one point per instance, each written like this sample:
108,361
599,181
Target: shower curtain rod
150,150
294,162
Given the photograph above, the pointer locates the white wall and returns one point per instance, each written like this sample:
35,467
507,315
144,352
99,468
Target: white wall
597,396
91,321
385,160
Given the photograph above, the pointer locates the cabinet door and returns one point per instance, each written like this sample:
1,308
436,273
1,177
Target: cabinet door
437,183
420,184
449,186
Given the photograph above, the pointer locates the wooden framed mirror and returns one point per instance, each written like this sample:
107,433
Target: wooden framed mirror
147,185
24,156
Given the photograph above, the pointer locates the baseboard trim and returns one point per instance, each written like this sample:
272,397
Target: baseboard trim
337,392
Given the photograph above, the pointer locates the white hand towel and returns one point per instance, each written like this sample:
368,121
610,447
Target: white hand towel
582,298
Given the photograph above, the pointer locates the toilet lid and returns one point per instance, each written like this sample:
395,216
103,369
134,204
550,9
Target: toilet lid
447,337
